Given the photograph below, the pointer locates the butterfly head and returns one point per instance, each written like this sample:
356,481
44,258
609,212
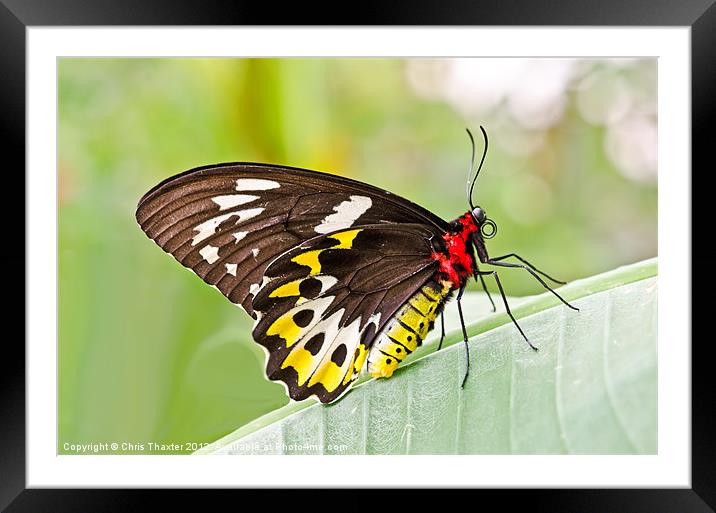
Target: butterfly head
481,228
479,215
486,228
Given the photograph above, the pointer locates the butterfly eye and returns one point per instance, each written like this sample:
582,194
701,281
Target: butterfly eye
488,228
479,215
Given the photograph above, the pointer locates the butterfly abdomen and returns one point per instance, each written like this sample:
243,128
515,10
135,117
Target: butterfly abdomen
407,329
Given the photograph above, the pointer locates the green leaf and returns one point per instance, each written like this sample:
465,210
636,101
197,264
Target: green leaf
590,389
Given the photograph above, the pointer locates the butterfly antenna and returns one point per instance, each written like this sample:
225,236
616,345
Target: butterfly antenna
471,169
472,164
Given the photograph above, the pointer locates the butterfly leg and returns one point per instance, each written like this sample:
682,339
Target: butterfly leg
507,307
506,264
484,287
518,257
464,336
442,332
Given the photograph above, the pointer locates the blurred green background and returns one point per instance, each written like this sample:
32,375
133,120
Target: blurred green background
149,353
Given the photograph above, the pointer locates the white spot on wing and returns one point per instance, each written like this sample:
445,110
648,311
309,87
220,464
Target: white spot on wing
255,184
326,282
264,281
335,336
209,253
240,235
208,228
231,268
248,213
346,213
233,200
254,288
255,252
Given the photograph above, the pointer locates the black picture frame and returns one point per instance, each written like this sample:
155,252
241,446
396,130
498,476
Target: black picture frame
17,15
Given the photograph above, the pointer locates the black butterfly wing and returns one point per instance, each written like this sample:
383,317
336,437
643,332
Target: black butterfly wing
322,303
228,222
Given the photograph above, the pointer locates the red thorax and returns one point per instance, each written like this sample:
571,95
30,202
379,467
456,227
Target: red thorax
456,264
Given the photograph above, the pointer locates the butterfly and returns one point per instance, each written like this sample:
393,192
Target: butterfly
340,277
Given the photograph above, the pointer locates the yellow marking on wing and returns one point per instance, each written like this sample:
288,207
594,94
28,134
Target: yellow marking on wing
309,258
345,238
288,289
285,328
329,375
356,364
302,361
360,359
